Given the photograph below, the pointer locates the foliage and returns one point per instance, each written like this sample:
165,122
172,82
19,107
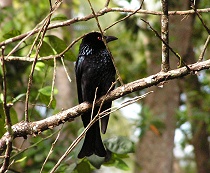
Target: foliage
130,57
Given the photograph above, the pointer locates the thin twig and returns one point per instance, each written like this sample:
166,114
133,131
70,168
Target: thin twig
6,108
53,83
90,16
124,104
103,38
60,55
51,8
23,129
200,17
44,30
7,155
28,34
96,118
165,66
124,18
94,101
33,145
176,54
23,38
110,88
64,67
107,3
51,149
204,49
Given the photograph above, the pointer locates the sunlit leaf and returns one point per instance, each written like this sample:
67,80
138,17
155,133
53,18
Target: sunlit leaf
39,66
48,90
122,165
1,97
21,160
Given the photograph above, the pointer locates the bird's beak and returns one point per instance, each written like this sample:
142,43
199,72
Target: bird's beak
110,38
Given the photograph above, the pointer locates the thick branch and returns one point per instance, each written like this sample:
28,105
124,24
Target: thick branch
100,13
23,129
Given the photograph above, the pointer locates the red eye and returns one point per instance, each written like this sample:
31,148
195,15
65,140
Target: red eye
99,38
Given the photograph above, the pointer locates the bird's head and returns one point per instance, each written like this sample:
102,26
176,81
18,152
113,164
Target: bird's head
95,41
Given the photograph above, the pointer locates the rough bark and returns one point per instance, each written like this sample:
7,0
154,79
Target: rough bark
199,127
23,129
155,152
196,105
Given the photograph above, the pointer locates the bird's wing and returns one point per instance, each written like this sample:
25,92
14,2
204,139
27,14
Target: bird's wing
78,71
107,87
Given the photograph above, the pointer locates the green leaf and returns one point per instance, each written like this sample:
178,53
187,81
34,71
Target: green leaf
45,99
71,168
122,165
59,17
46,49
116,160
83,166
11,34
59,46
2,121
13,115
53,103
1,97
111,161
96,161
47,91
69,55
119,145
49,62
39,66
21,160
1,72
18,98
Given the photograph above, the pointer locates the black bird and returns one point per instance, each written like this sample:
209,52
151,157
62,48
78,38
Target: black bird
95,75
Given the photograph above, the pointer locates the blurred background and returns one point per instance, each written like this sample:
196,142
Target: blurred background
168,131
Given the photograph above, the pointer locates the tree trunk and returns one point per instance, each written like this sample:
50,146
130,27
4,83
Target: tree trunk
199,128
195,105
155,152
66,90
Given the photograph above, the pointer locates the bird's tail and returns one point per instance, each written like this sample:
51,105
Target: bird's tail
93,143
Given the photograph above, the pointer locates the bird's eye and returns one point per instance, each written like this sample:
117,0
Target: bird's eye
99,38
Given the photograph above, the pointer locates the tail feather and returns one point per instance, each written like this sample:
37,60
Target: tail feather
92,143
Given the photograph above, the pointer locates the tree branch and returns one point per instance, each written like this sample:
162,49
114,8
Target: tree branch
23,129
99,13
6,108
165,66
